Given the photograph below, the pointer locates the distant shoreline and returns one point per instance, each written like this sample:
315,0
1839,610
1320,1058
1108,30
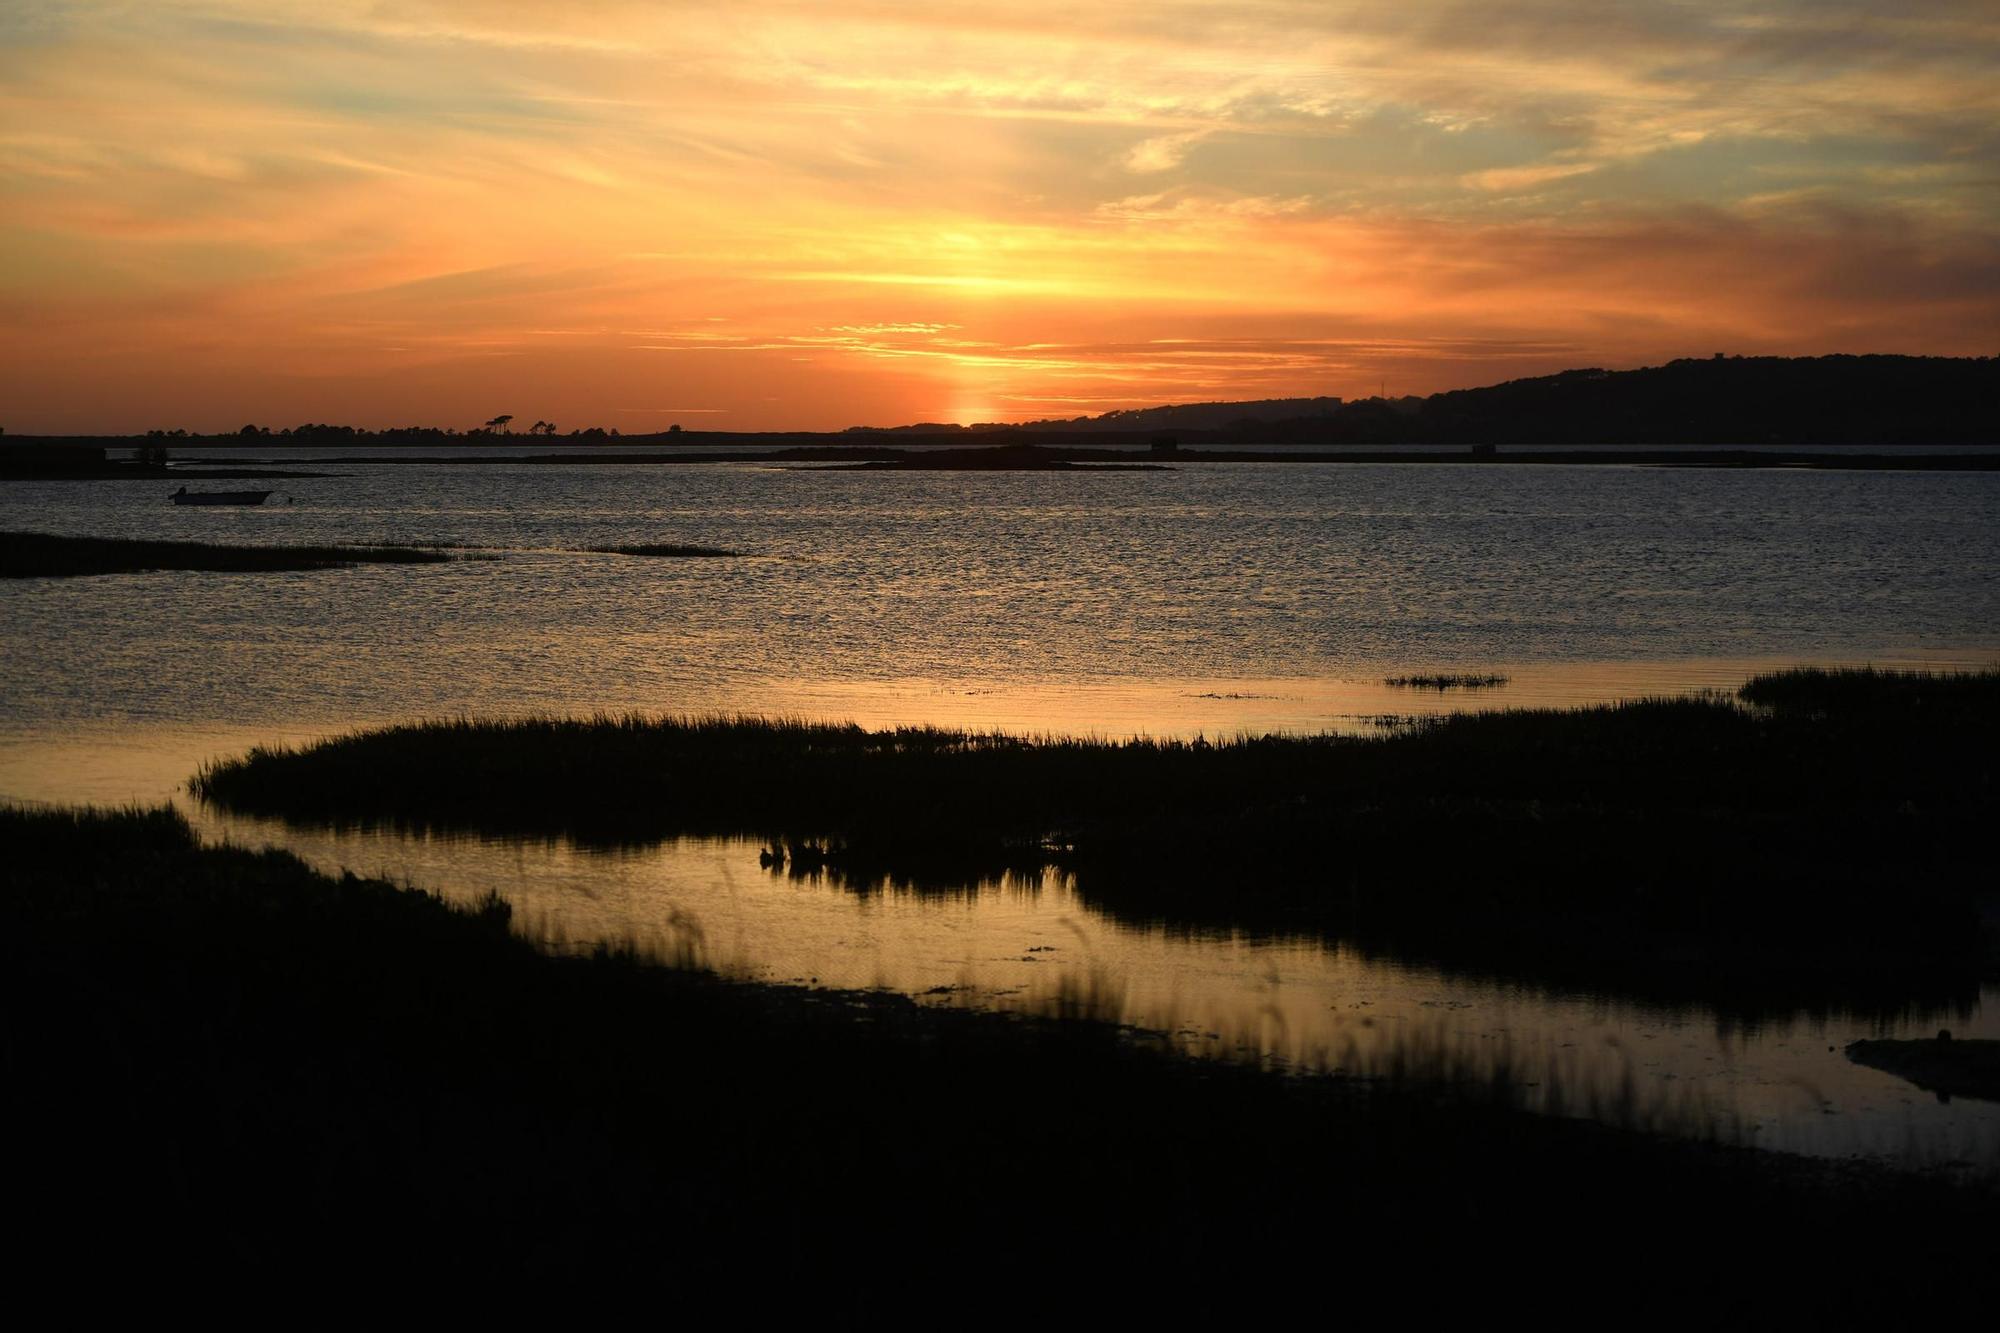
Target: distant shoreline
82,458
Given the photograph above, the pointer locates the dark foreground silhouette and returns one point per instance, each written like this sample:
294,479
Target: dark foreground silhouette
227,1069
1819,843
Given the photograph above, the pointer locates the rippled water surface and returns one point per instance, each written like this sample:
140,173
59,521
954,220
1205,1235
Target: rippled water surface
1212,598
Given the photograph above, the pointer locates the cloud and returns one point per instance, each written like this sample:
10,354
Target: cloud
1162,153
1190,207
1003,196
1512,180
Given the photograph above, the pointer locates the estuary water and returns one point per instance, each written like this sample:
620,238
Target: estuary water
1209,599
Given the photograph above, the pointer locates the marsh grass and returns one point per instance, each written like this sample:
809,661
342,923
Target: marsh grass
39,555
1443,681
215,1052
1821,847
1862,693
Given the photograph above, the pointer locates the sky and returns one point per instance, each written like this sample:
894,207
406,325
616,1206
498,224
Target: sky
770,215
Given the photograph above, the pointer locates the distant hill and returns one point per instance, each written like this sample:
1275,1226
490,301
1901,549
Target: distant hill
1718,401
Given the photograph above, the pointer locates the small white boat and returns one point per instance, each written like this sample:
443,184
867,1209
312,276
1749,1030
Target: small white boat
184,496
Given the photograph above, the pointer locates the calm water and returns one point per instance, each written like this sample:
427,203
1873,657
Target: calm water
1214,598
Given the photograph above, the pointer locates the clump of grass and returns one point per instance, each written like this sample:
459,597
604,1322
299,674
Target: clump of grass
1677,849
1852,691
661,549
39,555
1946,1066
1442,681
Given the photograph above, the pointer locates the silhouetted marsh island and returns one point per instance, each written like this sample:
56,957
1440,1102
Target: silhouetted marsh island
1446,680
26,555
1947,1066
232,1054
1823,841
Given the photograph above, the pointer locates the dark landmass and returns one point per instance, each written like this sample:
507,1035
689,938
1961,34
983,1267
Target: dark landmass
1038,453
662,549
1040,456
1819,846
83,459
144,472
90,465
1720,401
1716,401
1721,404
28,555
1054,458
226,1068
1946,1066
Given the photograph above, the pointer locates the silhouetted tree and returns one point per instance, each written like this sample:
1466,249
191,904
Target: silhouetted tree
499,423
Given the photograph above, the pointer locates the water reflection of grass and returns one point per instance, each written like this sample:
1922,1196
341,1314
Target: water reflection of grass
1820,848
1426,1056
219,1052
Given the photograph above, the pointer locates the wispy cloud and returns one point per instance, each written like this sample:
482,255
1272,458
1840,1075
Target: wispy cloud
1508,180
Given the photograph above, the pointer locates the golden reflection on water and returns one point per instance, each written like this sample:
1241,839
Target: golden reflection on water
1028,943
1353,704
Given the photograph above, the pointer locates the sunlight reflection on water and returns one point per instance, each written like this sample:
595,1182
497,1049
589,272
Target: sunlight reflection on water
1029,943
1062,593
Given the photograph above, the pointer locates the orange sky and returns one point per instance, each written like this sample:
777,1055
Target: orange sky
386,212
